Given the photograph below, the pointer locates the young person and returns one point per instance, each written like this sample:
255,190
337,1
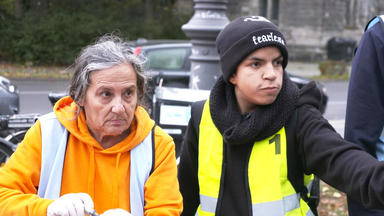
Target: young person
238,156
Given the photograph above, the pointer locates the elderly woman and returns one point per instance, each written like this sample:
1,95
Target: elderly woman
99,151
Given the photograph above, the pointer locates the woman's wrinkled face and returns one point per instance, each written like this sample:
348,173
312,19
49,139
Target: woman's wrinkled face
111,100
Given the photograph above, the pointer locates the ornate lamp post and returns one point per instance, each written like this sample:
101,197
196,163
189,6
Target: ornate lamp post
204,26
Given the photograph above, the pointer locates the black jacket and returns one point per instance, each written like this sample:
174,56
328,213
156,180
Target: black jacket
364,119
323,152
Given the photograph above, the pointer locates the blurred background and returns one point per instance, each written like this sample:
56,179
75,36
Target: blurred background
39,39
51,32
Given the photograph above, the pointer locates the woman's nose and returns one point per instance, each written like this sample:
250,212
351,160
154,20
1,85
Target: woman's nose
118,108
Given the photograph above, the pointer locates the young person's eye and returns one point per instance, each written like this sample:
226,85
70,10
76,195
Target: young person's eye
256,64
278,62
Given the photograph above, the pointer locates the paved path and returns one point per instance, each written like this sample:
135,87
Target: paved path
303,69
306,69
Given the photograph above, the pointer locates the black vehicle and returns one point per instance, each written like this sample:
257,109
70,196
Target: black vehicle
9,97
12,131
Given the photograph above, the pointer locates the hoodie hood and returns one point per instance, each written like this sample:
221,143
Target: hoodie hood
310,95
66,112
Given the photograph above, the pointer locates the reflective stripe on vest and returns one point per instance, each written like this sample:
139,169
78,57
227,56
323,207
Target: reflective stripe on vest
271,192
380,147
52,156
52,162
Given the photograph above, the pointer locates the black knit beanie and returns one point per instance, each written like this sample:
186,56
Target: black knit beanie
244,35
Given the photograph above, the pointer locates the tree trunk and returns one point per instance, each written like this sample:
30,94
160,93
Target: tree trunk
39,6
148,11
18,9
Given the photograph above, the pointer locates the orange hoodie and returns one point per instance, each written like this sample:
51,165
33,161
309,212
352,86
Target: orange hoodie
88,168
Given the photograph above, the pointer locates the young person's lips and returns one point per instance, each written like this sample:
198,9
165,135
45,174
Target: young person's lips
270,88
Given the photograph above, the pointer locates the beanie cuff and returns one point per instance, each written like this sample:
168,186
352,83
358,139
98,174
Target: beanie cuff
232,57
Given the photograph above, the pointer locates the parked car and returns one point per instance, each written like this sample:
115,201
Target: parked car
9,97
167,60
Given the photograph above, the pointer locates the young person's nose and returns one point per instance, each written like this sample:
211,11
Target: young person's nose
269,71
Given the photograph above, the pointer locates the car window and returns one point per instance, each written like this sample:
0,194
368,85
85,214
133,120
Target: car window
167,59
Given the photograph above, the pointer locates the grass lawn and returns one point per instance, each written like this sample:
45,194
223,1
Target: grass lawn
12,71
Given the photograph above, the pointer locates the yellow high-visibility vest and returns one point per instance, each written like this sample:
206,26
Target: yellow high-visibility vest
271,192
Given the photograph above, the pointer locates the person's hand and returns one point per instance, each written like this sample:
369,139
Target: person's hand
116,212
73,204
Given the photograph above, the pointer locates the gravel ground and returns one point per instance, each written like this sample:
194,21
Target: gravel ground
332,202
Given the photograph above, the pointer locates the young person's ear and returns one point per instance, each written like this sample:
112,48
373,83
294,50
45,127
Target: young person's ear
233,79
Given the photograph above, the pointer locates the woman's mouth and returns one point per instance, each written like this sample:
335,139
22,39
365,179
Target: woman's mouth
116,121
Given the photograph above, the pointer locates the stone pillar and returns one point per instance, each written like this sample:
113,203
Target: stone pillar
207,21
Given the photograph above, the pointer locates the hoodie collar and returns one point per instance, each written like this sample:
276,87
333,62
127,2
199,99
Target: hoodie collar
66,112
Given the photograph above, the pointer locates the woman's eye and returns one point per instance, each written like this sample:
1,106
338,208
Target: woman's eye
128,92
105,94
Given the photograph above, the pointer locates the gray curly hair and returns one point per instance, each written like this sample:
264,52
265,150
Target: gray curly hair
108,51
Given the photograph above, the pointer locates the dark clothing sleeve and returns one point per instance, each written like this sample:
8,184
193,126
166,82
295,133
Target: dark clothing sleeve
337,162
187,169
364,118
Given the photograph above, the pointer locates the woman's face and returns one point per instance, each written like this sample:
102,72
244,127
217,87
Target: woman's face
110,101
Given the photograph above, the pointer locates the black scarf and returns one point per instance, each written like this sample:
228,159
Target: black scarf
262,122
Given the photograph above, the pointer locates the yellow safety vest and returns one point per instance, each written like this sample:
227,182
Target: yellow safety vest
271,192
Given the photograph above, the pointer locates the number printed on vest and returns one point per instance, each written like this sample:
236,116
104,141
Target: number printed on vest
276,140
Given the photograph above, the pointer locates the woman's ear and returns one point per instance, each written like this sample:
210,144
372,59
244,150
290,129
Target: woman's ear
80,103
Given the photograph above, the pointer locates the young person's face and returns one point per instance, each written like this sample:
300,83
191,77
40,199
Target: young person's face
258,78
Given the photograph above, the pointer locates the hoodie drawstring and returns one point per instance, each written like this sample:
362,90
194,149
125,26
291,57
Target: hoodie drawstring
116,181
91,178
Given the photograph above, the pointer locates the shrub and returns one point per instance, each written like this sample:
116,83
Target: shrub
333,68
56,36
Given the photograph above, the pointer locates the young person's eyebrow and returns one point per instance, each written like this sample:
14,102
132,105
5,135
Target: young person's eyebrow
281,56
253,58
